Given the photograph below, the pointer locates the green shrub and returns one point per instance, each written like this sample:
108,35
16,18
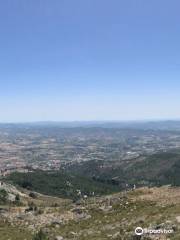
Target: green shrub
40,236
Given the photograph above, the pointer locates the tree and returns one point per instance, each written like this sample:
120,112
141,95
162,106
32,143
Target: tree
17,198
32,206
3,196
32,195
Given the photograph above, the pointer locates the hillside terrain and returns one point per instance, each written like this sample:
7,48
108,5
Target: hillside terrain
103,177
112,216
60,184
153,170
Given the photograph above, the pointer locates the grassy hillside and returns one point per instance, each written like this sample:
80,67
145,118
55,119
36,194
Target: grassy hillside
117,218
7,231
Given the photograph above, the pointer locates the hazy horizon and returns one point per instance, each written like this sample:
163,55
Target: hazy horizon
93,121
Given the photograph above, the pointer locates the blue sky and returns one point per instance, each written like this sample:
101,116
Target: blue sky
89,60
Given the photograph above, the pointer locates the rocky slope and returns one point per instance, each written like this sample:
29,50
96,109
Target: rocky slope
109,217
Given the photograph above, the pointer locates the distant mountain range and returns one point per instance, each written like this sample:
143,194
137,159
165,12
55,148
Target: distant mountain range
145,125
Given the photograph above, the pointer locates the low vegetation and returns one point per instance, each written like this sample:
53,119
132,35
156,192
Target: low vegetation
60,184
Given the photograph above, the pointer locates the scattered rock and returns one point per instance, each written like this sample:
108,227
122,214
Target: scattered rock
59,238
